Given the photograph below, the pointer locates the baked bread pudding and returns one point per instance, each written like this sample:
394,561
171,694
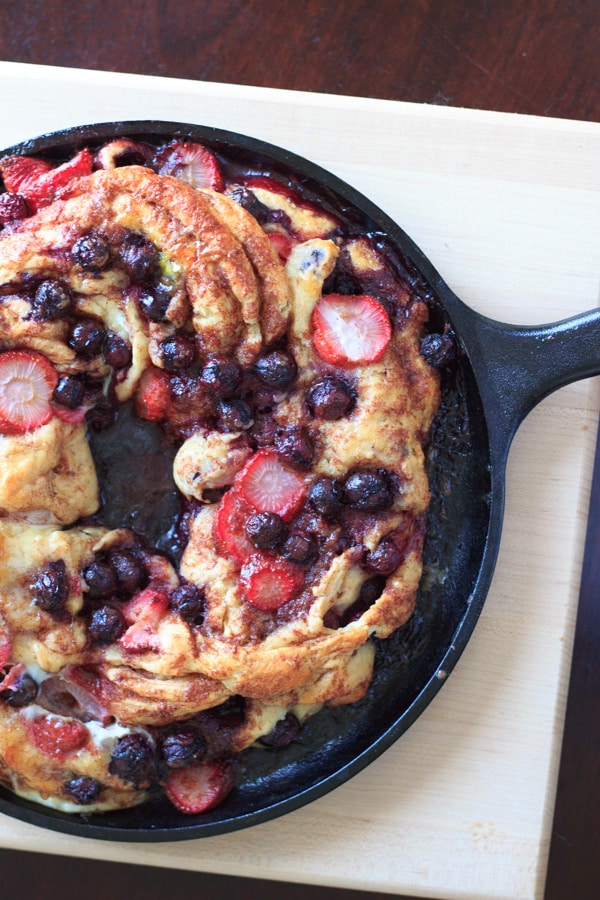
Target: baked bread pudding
283,358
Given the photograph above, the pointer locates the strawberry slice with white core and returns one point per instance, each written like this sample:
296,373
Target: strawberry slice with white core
202,787
27,380
192,163
269,582
143,613
153,396
269,486
350,329
230,527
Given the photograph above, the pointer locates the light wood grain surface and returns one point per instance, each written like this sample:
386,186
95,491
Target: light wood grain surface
507,209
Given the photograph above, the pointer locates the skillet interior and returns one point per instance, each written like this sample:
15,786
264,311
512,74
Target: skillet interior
464,528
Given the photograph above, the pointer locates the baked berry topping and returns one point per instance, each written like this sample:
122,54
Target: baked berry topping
13,207
148,606
330,398
188,601
27,381
50,587
69,392
116,351
133,760
100,579
299,549
268,485
190,162
103,414
153,397
295,445
52,300
38,181
230,530
130,572
276,369
139,257
20,689
106,625
368,491
58,737
437,349
325,497
384,558
91,252
350,330
154,302
177,352
270,582
235,414
198,788
282,735
265,530
183,746
222,375
250,202
83,790
86,337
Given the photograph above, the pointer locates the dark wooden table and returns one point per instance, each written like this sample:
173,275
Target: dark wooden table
538,58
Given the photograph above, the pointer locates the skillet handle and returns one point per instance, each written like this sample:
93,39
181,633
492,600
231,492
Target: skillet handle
518,366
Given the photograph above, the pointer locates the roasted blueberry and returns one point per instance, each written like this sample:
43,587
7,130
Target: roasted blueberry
183,746
296,445
384,558
131,574
106,625
139,257
178,352
50,587
12,207
222,375
154,302
330,398
52,300
22,691
116,351
324,496
266,530
235,414
91,252
133,760
188,601
299,549
86,337
276,369
284,732
83,790
251,203
437,349
100,578
368,491
69,391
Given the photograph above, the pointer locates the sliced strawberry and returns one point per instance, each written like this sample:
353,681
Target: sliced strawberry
270,486
147,606
192,163
153,399
264,183
19,173
57,737
270,582
38,181
70,416
283,244
5,647
140,637
350,330
230,530
199,788
27,381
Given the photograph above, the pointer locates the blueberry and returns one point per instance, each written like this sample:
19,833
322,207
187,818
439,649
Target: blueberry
83,790
91,252
133,760
183,746
50,587
299,549
86,337
178,352
106,625
100,578
52,300
266,530
69,391
437,349
330,398
22,692
130,572
384,558
277,369
284,732
188,601
368,491
235,414
154,302
324,497
139,257
222,375
116,351
295,444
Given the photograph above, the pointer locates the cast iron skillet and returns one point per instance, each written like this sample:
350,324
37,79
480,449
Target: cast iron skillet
500,372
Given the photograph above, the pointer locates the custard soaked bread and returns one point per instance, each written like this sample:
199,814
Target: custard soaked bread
280,353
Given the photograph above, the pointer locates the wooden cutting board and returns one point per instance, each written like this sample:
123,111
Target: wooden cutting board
508,210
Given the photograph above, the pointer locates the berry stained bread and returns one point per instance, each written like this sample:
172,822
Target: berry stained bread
276,353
